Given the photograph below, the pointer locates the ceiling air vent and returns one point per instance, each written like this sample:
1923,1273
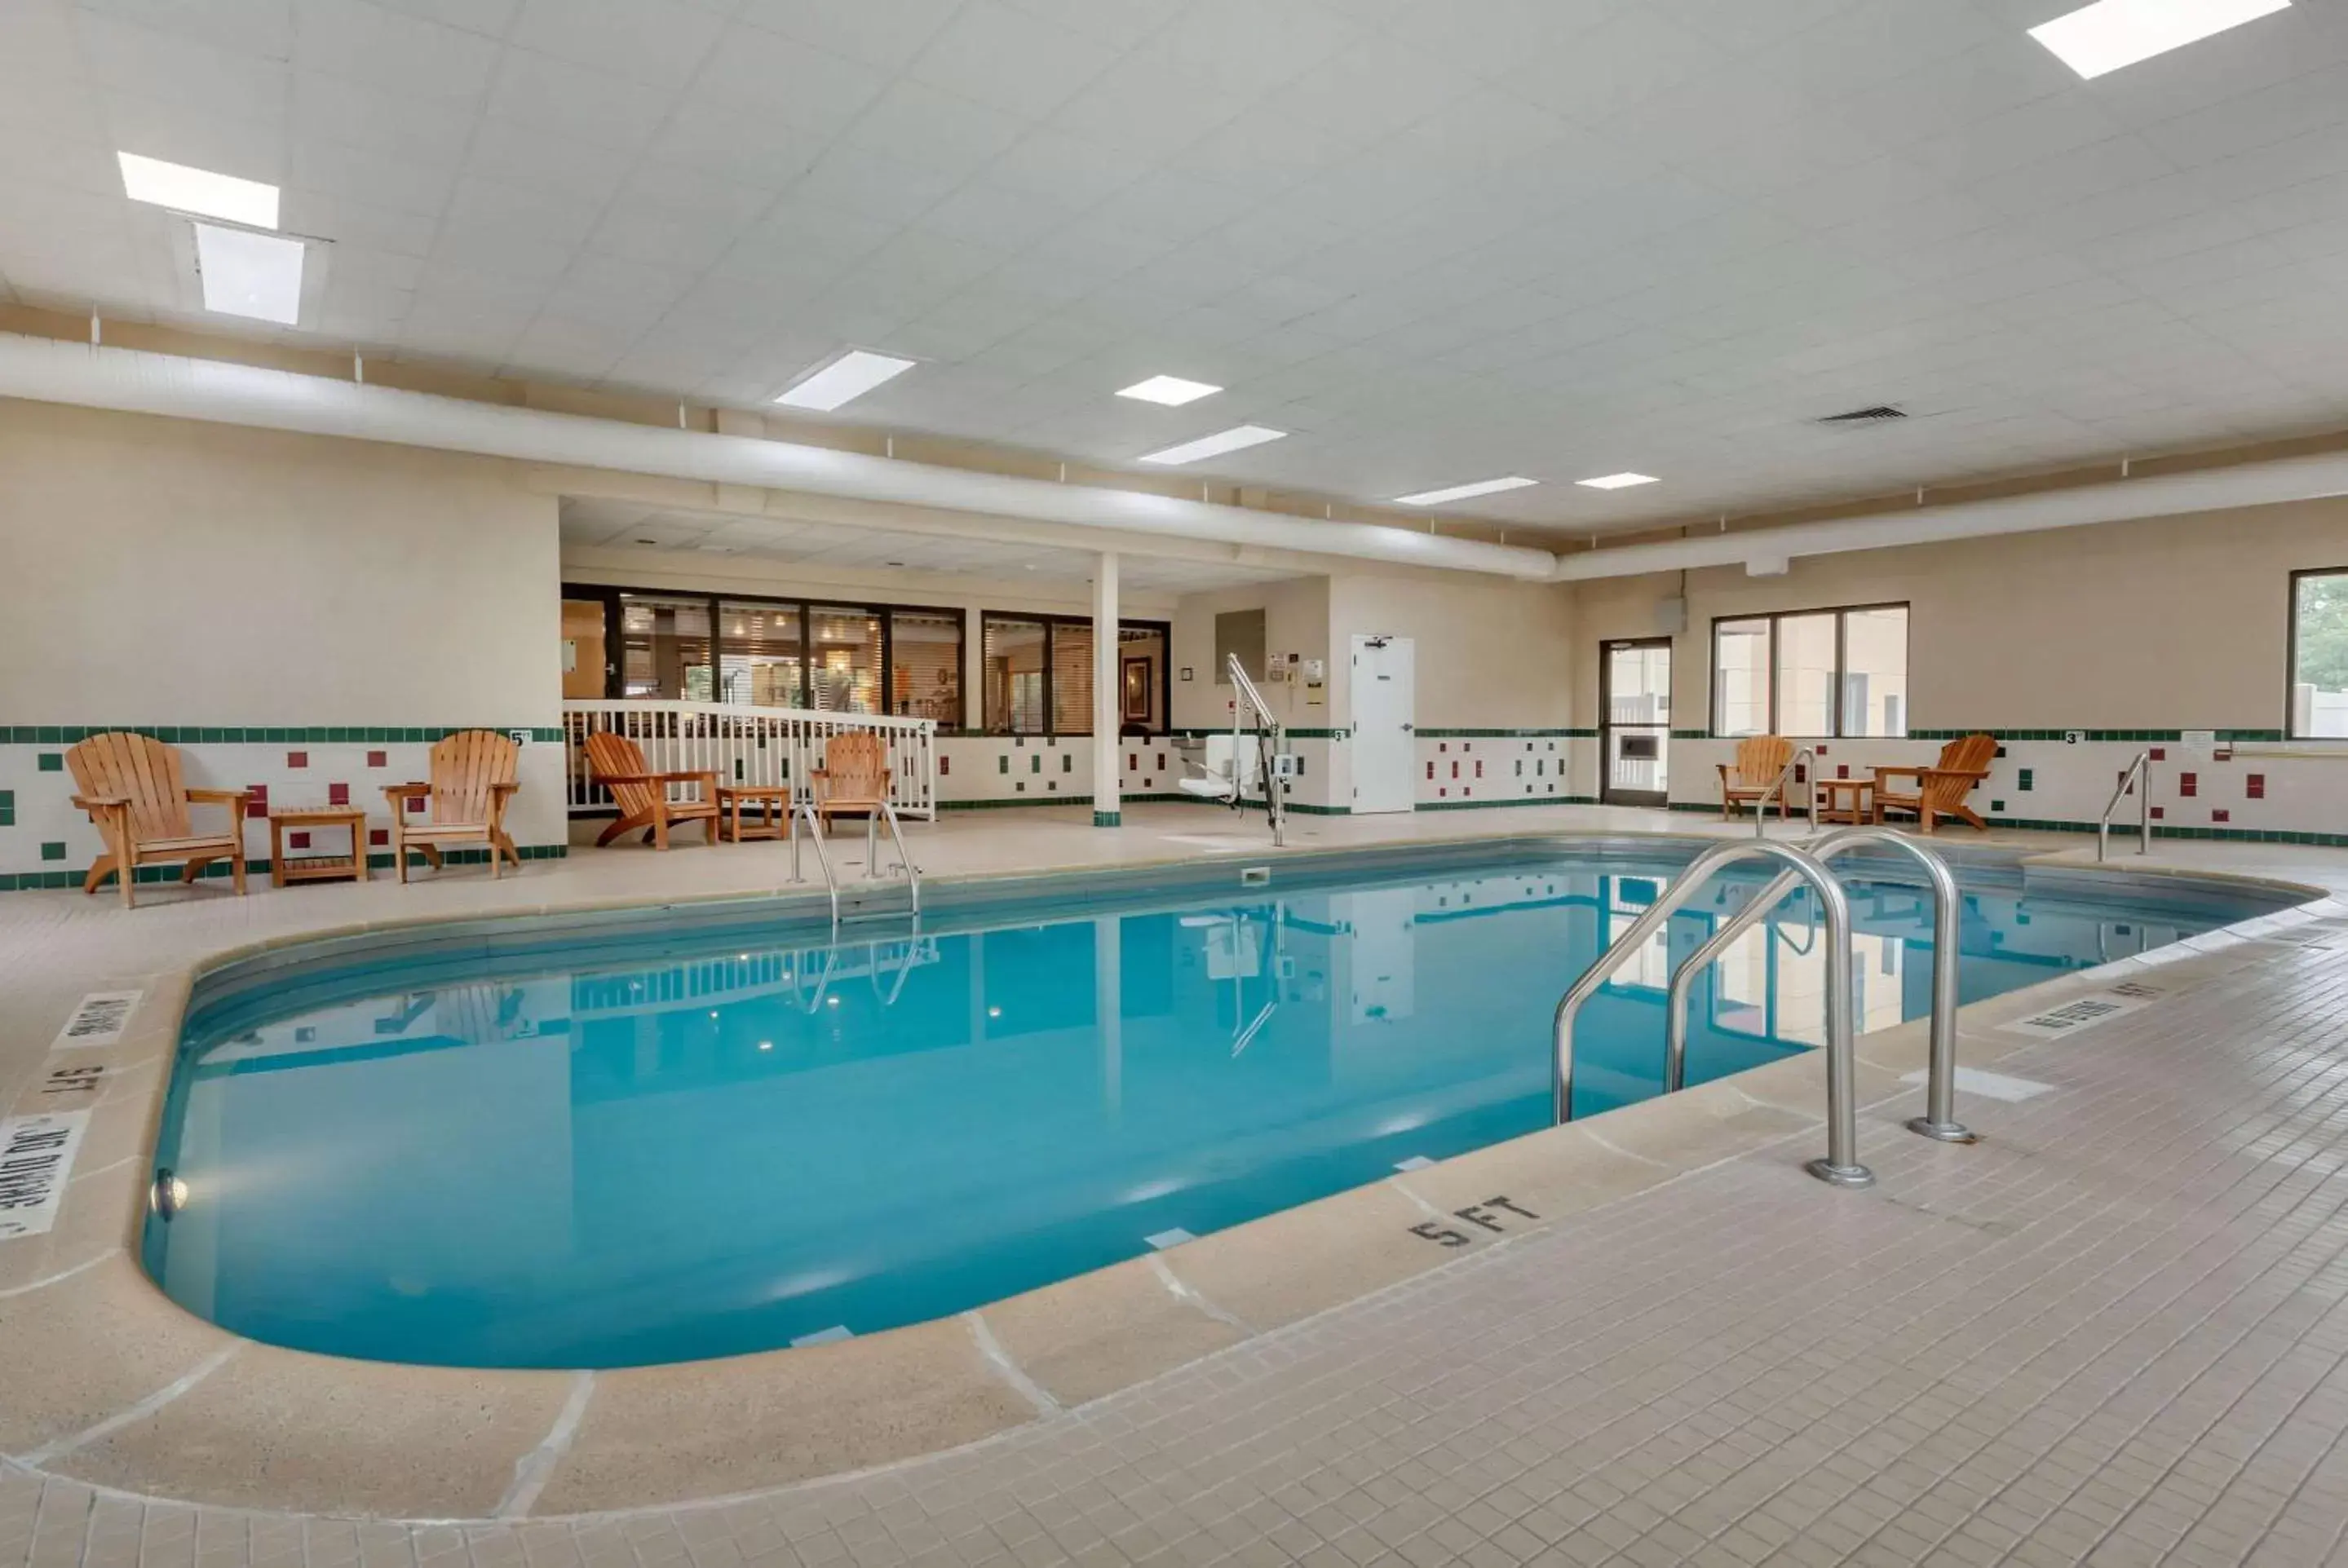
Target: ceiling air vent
1881,414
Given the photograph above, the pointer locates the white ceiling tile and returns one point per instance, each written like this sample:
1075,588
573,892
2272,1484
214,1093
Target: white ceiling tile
884,33
786,82
738,145
366,42
258,28
594,106
661,43
672,218
490,18
937,130
994,54
1147,107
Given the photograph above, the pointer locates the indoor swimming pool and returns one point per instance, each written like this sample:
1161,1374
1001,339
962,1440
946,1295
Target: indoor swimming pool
695,1133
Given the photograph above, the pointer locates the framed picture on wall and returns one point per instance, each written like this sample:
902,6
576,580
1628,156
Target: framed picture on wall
1137,690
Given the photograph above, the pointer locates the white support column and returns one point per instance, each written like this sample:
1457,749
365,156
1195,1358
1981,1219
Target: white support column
1106,710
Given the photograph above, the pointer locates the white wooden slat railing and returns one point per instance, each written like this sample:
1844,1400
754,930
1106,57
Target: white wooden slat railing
744,745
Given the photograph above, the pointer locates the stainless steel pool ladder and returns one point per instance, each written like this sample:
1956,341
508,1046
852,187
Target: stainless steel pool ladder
1841,1165
2139,772
805,811
1940,1118
1777,787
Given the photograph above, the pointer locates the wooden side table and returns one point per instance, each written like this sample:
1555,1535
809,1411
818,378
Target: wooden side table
1846,799
351,868
768,799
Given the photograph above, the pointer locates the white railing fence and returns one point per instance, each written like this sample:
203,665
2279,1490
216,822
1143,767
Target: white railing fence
745,746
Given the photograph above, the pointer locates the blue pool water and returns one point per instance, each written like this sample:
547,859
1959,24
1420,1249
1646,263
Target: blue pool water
662,1147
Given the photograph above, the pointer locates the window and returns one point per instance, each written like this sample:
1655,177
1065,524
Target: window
1826,673
1014,676
1039,675
664,647
926,665
844,659
2319,655
764,652
764,658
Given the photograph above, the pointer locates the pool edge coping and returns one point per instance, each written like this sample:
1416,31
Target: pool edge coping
1727,1118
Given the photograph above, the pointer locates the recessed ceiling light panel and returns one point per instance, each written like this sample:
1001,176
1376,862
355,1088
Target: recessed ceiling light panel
2100,38
247,274
198,191
843,380
1461,492
1170,390
1233,440
1616,481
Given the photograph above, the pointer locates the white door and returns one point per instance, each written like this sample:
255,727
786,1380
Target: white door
1383,744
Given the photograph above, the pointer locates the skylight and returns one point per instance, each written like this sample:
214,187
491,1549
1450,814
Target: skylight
1616,481
1215,445
2100,38
1170,390
1461,492
843,380
198,191
248,274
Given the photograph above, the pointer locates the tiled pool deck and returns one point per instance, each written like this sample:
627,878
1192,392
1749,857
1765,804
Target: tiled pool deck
2115,1331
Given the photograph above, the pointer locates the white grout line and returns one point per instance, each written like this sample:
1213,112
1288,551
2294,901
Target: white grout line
109,1165
988,1347
63,1273
1612,1147
536,1468
1181,1291
136,1413
1430,1210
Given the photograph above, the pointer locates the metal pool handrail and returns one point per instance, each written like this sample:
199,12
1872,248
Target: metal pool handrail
1840,1167
2138,771
804,811
1777,787
1940,1118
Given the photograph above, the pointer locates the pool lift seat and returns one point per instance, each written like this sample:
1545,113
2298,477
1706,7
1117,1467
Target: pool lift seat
1253,754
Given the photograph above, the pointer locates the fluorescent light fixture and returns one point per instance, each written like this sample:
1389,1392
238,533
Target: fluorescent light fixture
1215,445
1616,481
199,190
250,275
843,380
1461,492
2102,38
1170,390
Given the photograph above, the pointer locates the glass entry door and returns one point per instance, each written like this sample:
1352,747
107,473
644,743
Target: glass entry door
1635,698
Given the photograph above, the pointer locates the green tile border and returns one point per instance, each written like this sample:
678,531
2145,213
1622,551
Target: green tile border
2159,829
268,735
27,881
1575,734
1068,799
1512,800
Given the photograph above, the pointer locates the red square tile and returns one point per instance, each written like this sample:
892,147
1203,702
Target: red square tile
378,759
2160,754
1842,770
258,805
2188,784
2222,814
2258,786
2159,811
1455,770
1430,770
380,836
1479,769
298,840
945,765
297,759
338,794
1820,750
1132,760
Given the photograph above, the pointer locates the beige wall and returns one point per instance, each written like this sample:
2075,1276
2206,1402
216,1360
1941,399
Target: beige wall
1295,620
2176,623
1487,653
163,571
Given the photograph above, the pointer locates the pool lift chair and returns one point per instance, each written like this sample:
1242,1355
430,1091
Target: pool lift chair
1253,754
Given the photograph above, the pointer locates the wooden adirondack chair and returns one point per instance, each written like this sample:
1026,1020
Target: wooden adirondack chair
131,787
854,778
618,764
1941,789
1759,760
473,776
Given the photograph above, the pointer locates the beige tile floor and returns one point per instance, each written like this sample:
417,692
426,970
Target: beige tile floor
2116,1331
